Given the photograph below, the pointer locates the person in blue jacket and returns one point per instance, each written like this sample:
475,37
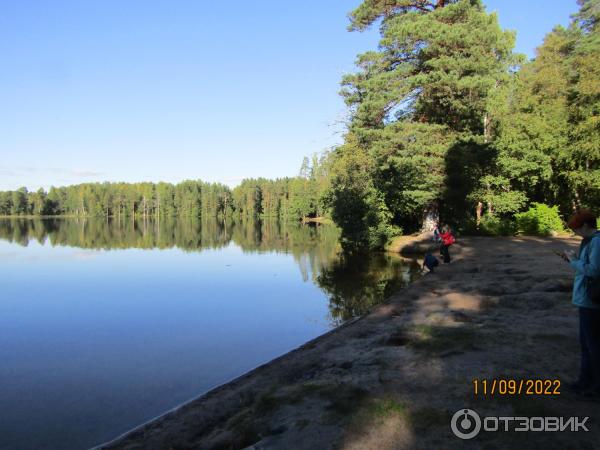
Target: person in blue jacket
586,293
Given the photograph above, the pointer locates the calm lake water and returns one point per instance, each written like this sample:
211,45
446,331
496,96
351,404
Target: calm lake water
104,326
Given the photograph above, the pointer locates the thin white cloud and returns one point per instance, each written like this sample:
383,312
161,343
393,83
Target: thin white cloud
230,181
7,173
12,178
86,173
75,172
19,171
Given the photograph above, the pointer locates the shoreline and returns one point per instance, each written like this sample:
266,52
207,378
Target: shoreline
393,377
215,390
406,241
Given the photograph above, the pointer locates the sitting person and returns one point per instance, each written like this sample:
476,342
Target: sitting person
430,262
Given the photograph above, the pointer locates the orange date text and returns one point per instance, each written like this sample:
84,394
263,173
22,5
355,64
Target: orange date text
514,387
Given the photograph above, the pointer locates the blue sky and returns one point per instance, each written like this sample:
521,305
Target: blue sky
155,90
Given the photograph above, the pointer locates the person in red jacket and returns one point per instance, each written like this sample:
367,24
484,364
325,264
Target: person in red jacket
447,240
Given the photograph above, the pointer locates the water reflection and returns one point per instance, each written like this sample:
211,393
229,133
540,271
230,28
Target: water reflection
353,283
356,283
95,340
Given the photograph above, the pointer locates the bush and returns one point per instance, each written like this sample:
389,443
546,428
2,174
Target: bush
540,220
381,235
492,225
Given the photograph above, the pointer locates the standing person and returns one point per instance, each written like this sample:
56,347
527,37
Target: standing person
586,296
447,240
436,234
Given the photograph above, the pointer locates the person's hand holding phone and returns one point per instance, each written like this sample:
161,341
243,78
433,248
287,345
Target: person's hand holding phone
567,255
561,254
570,255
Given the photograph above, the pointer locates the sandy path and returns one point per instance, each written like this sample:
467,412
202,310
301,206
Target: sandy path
393,379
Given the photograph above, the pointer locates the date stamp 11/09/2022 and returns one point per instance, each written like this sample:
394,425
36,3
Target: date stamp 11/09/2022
514,387
467,423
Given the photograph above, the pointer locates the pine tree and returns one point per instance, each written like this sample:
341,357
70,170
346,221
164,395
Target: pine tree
427,87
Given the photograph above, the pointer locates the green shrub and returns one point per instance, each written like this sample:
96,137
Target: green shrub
381,235
492,225
539,220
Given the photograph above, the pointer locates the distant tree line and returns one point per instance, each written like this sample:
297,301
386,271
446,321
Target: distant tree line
120,200
286,198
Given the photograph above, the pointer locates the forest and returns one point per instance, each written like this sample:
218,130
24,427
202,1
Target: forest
445,122
285,198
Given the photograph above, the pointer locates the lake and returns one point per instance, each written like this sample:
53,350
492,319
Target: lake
105,325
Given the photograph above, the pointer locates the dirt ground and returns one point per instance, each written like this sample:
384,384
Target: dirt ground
394,378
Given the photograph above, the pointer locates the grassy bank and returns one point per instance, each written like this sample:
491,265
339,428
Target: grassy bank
321,220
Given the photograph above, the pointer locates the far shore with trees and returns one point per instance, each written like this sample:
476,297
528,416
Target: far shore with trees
295,199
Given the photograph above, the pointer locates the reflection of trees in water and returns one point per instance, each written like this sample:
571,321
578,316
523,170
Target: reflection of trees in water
18,231
312,246
353,283
185,233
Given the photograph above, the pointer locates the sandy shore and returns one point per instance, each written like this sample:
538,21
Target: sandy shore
394,378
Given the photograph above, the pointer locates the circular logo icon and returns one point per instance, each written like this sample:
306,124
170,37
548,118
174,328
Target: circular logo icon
466,424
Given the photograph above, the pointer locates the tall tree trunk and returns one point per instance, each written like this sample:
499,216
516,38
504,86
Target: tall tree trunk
158,206
431,218
486,128
479,213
